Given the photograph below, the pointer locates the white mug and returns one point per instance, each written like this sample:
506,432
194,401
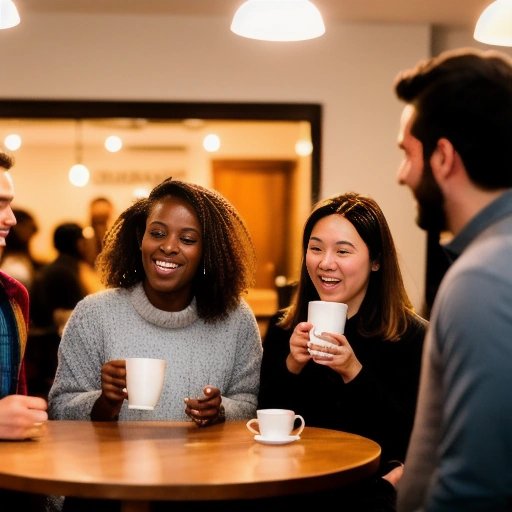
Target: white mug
276,423
326,317
144,381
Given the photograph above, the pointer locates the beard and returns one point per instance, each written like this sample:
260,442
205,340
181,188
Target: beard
431,215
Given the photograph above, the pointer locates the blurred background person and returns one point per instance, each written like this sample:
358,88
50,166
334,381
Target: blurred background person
101,211
57,289
17,259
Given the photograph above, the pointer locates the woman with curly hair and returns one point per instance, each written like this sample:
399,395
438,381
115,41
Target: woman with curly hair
176,266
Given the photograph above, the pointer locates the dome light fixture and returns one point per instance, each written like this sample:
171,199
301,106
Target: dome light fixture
494,26
278,20
9,16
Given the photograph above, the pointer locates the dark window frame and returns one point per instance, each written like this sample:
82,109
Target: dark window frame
94,109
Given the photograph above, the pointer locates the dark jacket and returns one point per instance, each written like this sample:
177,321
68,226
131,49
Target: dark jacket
379,403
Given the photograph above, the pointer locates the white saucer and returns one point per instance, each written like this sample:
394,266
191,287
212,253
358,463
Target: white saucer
284,440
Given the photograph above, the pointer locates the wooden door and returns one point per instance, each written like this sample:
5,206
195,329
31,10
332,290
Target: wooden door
261,190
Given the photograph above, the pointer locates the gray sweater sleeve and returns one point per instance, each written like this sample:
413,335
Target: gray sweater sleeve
106,326
77,383
241,394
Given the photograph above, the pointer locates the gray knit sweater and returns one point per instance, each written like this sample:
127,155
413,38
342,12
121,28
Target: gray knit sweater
120,323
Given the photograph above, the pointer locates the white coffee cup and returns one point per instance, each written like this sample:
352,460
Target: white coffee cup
326,317
276,423
144,381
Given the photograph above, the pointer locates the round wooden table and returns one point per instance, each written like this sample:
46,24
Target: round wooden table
138,462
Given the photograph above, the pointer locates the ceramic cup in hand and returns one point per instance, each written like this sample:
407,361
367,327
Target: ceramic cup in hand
144,381
326,317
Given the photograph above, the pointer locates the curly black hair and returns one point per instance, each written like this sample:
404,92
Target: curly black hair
6,161
228,259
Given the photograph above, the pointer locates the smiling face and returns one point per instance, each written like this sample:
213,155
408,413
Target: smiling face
338,262
416,173
172,248
7,218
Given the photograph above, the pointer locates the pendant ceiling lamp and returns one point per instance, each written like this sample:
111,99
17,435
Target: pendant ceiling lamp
79,174
9,16
278,20
495,24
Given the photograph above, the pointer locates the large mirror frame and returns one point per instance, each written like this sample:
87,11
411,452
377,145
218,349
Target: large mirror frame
83,109
178,111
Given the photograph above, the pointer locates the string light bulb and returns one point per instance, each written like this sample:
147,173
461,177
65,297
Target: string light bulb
12,142
78,174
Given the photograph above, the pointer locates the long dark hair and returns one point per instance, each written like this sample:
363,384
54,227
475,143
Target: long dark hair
386,306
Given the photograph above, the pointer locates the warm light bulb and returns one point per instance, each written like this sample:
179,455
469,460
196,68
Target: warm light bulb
113,143
12,142
280,281
88,232
211,143
140,192
303,147
79,175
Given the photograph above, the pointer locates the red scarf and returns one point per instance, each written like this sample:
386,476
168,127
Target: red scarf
16,321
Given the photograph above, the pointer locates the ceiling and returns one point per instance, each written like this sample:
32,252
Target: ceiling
456,13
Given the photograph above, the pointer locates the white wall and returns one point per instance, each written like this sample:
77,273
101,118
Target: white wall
349,71
446,38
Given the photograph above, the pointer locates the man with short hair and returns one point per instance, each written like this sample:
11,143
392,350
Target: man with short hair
456,136
21,416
